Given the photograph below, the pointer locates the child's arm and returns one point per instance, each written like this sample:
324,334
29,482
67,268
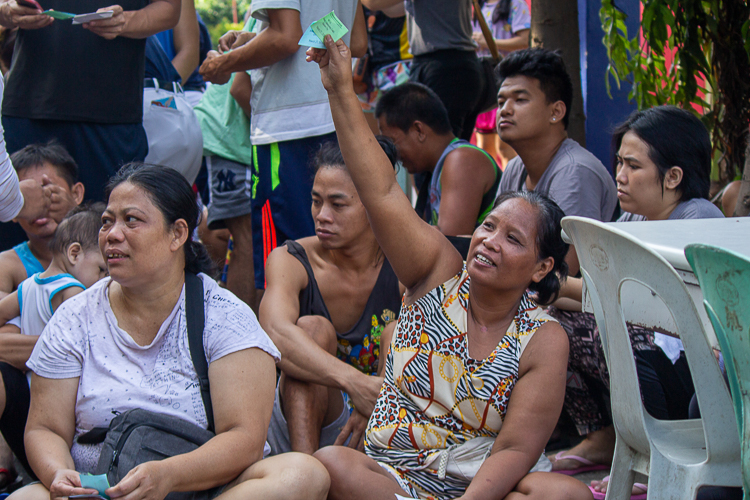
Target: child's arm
64,295
15,348
9,308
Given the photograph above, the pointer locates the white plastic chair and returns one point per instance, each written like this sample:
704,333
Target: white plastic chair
679,456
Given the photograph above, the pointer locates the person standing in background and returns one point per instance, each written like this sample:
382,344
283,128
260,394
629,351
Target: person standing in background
291,115
440,37
82,84
510,23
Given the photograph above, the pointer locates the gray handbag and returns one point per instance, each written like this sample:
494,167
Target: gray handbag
137,436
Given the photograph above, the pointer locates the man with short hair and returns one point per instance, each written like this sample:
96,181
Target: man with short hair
533,111
330,308
464,179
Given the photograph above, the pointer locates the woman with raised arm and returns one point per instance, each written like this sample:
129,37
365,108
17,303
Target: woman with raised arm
475,368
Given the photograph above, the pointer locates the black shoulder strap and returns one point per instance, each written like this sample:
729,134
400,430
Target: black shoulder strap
195,317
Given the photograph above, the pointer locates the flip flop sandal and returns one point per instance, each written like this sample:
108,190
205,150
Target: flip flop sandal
599,495
586,465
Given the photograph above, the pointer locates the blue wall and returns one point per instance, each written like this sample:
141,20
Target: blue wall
602,113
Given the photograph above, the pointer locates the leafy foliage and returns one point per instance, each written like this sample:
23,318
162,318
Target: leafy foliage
710,64
217,15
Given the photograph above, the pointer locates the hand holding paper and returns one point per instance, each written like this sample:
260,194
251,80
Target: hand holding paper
317,31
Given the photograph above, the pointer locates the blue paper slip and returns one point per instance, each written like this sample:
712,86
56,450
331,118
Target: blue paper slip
310,39
98,483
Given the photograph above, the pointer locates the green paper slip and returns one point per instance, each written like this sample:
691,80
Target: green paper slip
98,483
329,25
59,15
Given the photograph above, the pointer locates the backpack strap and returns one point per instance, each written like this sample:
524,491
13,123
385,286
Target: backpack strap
195,317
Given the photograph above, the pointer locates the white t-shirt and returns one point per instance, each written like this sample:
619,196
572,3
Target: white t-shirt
83,340
288,99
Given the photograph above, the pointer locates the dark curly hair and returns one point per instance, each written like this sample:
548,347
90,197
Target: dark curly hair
329,154
549,242
175,199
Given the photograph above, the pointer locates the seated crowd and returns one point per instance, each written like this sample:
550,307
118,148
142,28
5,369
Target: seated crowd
423,353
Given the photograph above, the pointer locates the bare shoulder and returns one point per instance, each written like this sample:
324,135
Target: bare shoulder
469,158
547,347
284,270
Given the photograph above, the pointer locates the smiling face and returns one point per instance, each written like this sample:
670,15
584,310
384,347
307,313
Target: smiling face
340,218
135,240
640,189
503,251
523,111
44,227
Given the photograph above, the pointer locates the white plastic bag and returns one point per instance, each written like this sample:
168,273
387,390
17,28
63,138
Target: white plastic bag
173,132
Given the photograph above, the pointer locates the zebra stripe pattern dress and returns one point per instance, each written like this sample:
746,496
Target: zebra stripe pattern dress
434,395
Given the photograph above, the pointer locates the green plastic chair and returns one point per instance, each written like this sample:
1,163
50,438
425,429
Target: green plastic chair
724,278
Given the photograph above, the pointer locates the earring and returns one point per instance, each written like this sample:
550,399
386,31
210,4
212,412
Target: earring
553,118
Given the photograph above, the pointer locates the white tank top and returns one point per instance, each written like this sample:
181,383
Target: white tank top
35,300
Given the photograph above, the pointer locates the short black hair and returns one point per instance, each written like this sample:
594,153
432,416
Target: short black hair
409,102
549,242
54,153
329,154
81,225
675,138
545,66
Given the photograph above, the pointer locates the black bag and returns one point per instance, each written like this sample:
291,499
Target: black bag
137,436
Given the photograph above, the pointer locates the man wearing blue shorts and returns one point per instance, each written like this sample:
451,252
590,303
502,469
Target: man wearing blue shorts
291,116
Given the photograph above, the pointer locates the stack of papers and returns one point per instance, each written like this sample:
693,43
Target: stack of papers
317,31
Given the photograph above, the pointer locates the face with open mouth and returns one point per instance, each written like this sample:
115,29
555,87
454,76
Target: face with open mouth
503,252
135,241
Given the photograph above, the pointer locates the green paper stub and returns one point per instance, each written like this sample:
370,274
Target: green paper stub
329,25
56,14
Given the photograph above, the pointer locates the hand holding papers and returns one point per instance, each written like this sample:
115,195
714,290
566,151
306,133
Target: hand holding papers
326,25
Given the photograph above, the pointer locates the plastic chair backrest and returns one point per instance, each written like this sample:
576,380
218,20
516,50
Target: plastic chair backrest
724,277
611,258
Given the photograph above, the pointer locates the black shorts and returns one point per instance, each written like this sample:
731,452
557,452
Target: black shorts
13,420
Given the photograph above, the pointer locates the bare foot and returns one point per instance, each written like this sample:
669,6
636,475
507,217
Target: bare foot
597,447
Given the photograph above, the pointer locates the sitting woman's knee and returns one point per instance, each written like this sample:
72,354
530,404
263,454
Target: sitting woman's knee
551,486
321,330
304,474
35,491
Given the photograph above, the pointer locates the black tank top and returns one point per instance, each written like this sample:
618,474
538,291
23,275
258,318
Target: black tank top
360,346
65,72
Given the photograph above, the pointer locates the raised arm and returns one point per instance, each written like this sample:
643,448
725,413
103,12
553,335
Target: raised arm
421,256
301,357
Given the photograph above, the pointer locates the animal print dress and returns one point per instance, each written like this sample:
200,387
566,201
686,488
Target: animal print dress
434,395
